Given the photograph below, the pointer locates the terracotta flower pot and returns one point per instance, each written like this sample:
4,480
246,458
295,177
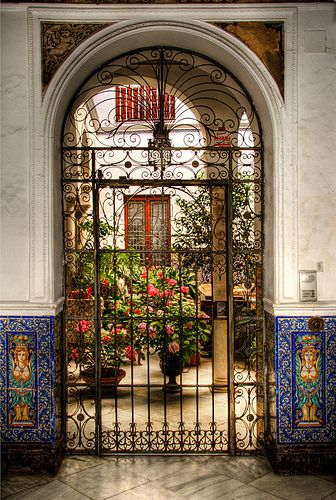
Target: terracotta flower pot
110,379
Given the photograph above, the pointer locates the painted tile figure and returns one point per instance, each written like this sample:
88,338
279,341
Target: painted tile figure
308,390
21,382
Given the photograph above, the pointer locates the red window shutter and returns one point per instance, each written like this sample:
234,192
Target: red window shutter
118,104
142,103
123,103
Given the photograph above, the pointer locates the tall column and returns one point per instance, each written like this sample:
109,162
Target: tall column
219,292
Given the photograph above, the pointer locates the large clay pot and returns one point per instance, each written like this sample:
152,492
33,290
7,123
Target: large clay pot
171,365
110,379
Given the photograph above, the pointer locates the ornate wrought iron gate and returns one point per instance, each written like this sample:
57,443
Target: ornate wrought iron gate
162,197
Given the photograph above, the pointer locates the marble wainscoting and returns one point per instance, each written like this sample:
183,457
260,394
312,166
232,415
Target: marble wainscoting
31,380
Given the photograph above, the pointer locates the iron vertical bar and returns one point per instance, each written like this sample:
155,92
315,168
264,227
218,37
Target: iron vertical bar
161,93
229,275
96,245
212,388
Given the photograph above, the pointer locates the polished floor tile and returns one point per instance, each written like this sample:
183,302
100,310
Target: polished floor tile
201,477
103,481
54,490
299,487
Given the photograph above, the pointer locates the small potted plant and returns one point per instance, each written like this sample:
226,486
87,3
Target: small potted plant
115,349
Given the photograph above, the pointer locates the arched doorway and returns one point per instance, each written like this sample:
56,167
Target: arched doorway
162,197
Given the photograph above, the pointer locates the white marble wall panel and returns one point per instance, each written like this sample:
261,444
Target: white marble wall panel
316,148
14,158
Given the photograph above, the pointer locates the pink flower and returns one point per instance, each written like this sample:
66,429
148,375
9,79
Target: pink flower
152,332
83,326
204,316
171,281
173,347
184,289
189,325
142,327
74,353
130,353
116,331
169,330
152,290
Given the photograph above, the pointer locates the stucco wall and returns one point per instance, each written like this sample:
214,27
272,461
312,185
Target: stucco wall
315,219
316,146
14,157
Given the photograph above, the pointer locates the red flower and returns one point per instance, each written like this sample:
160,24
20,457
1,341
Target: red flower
184,289
171,281
105,282
160,274
130,353
152,290
83,326
166,293
74,353
137,311
144,274
106,339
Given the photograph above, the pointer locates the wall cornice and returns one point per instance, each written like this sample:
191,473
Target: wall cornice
31,308
300,309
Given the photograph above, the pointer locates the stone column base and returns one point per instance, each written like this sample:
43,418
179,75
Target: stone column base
32,458
302,459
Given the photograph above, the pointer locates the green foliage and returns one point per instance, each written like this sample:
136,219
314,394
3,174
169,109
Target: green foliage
193,229
114,264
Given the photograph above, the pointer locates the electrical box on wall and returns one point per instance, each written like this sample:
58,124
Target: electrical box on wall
308,287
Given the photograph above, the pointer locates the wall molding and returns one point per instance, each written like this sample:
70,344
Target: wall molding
300,309
31,308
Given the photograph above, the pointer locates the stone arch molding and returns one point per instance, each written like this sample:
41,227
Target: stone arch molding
46,243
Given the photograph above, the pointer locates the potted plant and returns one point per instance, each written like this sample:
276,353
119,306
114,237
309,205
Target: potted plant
167,319
115,349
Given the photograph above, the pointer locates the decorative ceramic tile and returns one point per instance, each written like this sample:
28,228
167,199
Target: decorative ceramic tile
306,381
22,387
26,371
58,367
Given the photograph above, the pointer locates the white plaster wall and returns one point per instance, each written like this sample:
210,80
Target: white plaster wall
31,239
317,147
14,158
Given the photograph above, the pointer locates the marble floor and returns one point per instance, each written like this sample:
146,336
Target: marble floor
167,478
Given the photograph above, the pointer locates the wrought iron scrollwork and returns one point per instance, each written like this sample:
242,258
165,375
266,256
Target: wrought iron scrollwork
163,211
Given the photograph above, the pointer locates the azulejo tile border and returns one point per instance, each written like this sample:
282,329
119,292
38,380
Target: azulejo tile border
305,381
27,387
